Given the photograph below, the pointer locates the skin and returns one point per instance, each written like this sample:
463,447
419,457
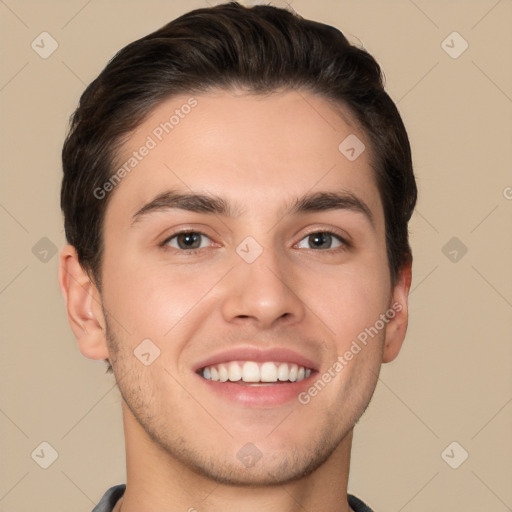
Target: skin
259,153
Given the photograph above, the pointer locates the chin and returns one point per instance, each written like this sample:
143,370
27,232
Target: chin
250,467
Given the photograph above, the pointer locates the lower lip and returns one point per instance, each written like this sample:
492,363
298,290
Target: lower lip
266,394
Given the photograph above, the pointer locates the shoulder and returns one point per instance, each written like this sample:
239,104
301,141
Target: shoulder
357,505
110,498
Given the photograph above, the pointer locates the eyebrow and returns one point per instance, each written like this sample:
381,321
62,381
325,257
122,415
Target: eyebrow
215,205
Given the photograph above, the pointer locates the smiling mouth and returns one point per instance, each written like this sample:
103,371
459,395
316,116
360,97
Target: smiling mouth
251,372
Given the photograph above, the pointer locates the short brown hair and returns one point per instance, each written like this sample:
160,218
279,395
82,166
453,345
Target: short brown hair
261,49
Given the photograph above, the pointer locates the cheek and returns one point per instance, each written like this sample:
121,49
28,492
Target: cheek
350,300
156,301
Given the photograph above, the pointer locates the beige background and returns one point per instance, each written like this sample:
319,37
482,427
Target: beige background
453,379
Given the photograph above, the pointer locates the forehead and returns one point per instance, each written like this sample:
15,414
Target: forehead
250,149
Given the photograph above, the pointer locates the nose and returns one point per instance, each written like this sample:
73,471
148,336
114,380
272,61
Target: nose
263,293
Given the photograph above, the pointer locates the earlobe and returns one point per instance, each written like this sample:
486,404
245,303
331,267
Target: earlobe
397,326
83,304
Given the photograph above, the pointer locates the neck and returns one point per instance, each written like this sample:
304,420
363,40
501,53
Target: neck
158,482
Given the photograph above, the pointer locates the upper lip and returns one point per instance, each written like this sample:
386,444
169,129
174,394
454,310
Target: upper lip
257,354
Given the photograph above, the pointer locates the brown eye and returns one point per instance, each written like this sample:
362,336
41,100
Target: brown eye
321,240
188,241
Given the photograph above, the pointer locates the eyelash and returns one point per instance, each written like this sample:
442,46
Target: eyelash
344,243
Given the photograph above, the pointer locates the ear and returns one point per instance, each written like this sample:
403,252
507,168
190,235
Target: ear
83,304
397,326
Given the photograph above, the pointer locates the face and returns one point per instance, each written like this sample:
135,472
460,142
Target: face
244,260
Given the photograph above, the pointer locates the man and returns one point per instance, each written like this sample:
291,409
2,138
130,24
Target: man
237,187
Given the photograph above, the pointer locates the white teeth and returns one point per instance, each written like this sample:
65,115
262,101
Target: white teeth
235,372
268,372
282,372
252,372
223,373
